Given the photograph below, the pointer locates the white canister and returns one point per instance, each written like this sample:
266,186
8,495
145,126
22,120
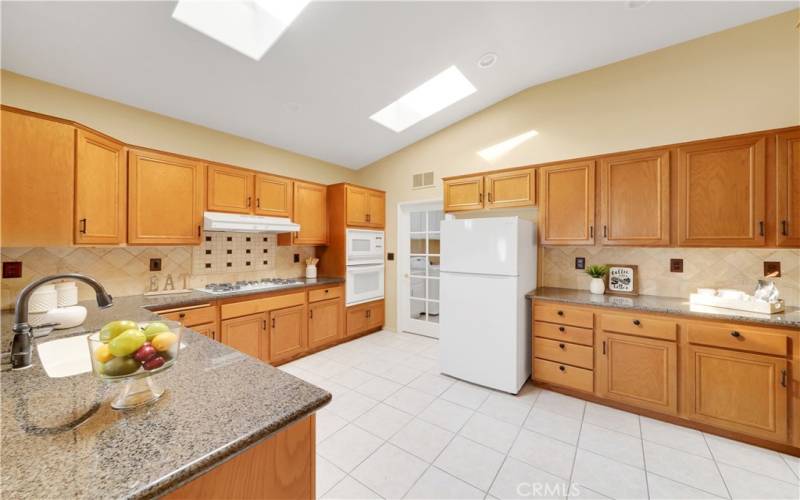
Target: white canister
43,299
311,271
67,293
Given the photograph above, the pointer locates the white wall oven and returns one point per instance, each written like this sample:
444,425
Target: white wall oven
364,283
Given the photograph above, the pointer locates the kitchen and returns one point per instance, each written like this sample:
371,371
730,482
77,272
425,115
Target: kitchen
342,320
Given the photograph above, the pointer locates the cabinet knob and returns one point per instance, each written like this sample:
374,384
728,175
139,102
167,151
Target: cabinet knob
561,329
562,346
735,334
182,315
560,313
561,367
637,322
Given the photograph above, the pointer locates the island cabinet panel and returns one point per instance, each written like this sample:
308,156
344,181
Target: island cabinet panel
788,189
514,188
101,176
721,193
463,193
273,196
245,334
287,333
229,189
566,203
639,371
311,212
38,181
324,322
634,199
738,391
165,199
282,467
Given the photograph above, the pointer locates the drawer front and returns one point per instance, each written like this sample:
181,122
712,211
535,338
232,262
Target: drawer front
564,333
564,352
191,316
565,375
640,325
324,293
565,315
270,303
736,337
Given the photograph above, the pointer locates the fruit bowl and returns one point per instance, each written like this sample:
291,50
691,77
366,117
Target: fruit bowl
130,352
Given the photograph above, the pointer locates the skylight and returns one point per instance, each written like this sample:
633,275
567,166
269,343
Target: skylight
247,26
442,90
501,148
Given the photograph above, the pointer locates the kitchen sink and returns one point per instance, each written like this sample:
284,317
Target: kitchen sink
65,357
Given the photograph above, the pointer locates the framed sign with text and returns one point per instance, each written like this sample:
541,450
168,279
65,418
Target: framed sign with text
623,279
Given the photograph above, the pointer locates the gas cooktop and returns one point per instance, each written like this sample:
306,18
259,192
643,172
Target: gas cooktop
246,286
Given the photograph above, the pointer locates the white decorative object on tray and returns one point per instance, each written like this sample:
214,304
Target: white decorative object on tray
765,299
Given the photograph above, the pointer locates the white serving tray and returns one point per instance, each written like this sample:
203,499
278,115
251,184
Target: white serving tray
740,305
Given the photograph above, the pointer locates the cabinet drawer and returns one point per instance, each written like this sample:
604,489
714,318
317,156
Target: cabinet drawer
565,315
568,376
324,293
564,333
640,325
564,352
264,304
193,316
736,337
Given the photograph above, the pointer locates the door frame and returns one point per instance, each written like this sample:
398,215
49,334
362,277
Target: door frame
402,268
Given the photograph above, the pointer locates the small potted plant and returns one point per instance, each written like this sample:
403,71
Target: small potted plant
597,272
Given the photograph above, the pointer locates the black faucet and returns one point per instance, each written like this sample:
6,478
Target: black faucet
23,332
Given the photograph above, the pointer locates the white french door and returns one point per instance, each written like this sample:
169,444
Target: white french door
418,262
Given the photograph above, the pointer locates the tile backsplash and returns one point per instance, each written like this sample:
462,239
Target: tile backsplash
125,270
738,268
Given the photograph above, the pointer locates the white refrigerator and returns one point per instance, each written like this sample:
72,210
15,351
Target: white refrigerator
488,265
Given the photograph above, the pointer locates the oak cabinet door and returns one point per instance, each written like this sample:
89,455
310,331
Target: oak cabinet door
324,322
100,185
721,194
634,194
356,320
273,196
287,333
311,212
566,204
38,173
788,189
230,189
739,391
165,199
375,312
357,203
516,188
207,330
464,193
244,334
638,371
376,202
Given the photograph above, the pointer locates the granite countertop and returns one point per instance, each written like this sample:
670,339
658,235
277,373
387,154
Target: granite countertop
61,439
668,305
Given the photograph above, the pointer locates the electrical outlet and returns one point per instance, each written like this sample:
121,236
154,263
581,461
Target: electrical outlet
676,265
297,257
772,269
12,270
155,265
580,262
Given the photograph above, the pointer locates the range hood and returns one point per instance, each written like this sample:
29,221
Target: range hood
219,221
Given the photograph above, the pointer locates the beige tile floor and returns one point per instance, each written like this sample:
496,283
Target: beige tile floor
396,428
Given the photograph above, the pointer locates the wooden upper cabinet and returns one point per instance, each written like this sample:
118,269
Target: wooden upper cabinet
515,188
738,391
788,189
287,333
38,181
634,199
721,190
165,199
229,189
463,193
365,207
100,190
273,196
311,212
566,203
376,202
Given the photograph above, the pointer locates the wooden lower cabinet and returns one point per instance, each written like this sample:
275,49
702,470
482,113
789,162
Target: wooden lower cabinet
287,333
201,319
324,322
364,317
245,334
209,330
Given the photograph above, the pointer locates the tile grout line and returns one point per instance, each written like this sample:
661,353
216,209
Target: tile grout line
644,457
577,447
716,465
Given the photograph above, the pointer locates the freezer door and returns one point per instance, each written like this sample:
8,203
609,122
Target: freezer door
480,246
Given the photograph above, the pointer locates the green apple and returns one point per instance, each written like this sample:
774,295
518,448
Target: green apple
127,342
111,330
154,329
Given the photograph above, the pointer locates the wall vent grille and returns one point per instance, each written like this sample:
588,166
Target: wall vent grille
422,181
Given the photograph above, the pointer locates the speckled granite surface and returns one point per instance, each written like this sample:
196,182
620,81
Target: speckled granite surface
61,439
669,305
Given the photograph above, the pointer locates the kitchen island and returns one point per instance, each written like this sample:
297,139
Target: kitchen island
61,439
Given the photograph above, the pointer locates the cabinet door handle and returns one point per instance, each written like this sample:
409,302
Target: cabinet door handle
273,322
198,230
83,226
591,231
562,368
369,313
249,199
637,322
735,334
263,324
258,202
604,348
310,314
562,346
489,195
561,329
761,227
783,378
785,228
480,197
605,231
369,218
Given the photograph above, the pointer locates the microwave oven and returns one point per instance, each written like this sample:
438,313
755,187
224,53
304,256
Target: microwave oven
364,247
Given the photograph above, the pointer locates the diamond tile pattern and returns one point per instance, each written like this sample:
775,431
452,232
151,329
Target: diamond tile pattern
471,442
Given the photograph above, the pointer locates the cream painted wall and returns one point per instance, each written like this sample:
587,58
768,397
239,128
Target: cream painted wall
143,128
740,80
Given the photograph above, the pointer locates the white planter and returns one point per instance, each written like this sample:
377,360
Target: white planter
598,286
311,272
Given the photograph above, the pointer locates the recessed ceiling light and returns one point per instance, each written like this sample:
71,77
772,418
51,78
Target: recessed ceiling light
501,148
439,92
487,60
247,26
292,107
635,4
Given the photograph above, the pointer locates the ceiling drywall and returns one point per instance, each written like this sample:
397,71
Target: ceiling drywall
340,62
